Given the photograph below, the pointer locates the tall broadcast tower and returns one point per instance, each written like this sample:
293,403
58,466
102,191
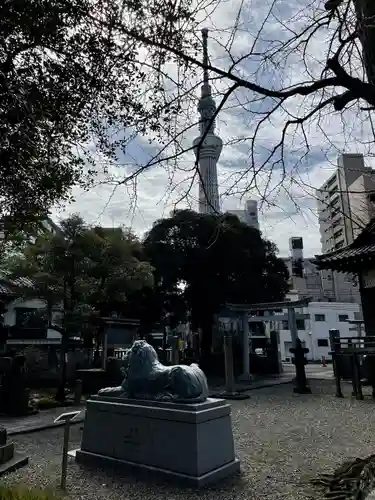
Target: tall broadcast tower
207,146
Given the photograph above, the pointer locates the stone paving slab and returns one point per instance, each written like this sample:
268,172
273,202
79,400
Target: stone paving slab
40,421
255,384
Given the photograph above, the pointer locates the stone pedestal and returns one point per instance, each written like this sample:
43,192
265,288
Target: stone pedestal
190,443
9,459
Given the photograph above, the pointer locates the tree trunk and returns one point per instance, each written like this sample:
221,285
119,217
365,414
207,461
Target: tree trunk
365,10
206,324
60,394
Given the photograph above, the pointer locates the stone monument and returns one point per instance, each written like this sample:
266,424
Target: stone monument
9,459
160,421
14,394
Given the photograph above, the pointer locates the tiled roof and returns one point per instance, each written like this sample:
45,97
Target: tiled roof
26,282
5,290
348,259
9,287
347,253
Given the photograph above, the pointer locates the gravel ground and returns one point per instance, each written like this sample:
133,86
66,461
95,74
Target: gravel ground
281,439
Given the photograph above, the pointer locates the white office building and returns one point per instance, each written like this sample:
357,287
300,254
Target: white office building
248,215
313,330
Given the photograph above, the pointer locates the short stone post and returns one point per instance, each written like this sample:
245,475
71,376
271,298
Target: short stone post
105,347
300,361
78,392
334,335
275,344
9,459
353,373
228,357
357,375
175,351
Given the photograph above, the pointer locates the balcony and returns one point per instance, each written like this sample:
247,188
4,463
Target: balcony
331,181
332,191
337,234
336,216
335,201
339,244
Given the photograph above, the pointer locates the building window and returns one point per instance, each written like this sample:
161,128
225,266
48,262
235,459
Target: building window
340,244
320,317
338,233
300,324
343,318
322,342
30,318
297,268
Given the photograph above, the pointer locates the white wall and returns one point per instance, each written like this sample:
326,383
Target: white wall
10,315
315,330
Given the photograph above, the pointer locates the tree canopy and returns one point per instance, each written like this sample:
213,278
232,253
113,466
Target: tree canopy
216,259
83,269
73,85
79,79
85,272
295,82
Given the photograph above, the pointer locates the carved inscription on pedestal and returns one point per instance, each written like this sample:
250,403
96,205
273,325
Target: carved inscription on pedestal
135,439
132,437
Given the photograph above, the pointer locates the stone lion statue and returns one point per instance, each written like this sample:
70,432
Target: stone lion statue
147,378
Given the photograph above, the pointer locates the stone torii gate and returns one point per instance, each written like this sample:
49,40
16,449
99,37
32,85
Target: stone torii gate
291,316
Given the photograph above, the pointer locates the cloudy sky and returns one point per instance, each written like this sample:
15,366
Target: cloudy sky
285,191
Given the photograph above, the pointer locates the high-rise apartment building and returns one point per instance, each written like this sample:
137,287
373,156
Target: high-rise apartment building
345,203
306,280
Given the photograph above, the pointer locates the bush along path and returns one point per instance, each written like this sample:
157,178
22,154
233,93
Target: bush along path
25,493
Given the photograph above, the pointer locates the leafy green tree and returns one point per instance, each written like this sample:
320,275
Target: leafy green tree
219,259
72,82
88,272
116,268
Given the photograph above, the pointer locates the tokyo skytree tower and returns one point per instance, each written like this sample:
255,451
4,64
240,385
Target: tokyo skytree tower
207,146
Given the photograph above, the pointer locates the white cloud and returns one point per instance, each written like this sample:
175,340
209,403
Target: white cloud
291,209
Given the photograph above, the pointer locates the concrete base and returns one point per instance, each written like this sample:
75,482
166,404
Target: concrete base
6,452
302,390
189,443
234,396
14,463
124,466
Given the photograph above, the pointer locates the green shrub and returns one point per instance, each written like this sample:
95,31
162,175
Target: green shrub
25,493
44,403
